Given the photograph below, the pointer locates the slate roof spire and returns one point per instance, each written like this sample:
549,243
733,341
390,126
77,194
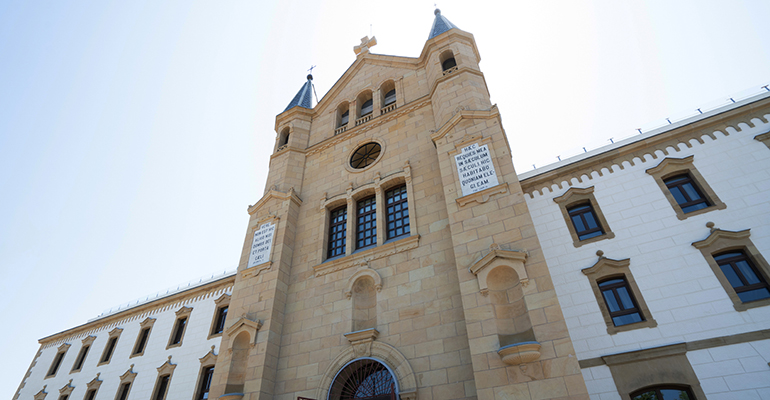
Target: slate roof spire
440,25
304,97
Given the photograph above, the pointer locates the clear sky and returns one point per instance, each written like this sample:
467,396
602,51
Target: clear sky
134,134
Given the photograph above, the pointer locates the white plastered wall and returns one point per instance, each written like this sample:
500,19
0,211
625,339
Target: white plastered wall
195,345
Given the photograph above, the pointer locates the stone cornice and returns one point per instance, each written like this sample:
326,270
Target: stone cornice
374,123
135,312
645,149
493,112
275,194
363,257
717,234
456,73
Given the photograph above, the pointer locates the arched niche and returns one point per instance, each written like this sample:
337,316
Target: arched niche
236,376
362,289
495,258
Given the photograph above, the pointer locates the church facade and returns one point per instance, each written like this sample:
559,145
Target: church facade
397,254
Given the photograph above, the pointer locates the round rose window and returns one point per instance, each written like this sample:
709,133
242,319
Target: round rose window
365,155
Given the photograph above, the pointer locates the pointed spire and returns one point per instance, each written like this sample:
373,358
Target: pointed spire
304,97
440,25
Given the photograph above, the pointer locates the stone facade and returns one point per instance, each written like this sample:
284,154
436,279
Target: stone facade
492,292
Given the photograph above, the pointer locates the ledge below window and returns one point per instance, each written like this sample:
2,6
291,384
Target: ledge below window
374,253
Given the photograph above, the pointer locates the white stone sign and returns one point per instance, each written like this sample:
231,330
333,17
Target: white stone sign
475,168
261,245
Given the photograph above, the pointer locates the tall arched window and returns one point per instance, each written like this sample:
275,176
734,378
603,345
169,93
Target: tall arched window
364,379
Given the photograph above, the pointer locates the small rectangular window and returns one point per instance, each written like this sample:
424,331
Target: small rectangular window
686,194
142,342
585,222
367,223
338,222
397,212
81,358
123,391
161,387
179,331
206,375
56,363
109,349
620,302
219,325
748,283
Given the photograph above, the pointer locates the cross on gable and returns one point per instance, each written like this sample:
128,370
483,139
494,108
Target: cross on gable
366,43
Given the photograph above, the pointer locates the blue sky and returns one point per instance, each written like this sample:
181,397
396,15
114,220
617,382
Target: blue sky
133,135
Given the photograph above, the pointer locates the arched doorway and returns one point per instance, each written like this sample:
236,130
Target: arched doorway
364,379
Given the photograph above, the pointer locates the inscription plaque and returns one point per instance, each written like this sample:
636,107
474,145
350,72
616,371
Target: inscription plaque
261,245
475,169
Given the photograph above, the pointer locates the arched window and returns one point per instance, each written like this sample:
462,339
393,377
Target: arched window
363,379
448,62
284,138
664,393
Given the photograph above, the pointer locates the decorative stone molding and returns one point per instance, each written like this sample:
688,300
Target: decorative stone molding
764,138
674,138
245,325
278,195
167,368
519,353
382,352
66,389
497,257
41,394
128,376
483,196
493,112
364,271
362,341
95,383
374,253
210,358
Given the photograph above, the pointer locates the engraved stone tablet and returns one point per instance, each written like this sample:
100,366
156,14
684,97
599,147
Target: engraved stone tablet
261,245
475,169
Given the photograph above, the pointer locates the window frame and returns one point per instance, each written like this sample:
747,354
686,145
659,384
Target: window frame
222,302
165,370
85,348
605,285
671,167
575,197
146,325
58,360
126,379
607,268
658,388
404,202
360,226
181,314
113,335
207,361
719,242
333,229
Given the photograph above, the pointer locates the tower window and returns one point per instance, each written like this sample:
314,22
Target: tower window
448,63
367,223
366,107
620,302
338,231
686,194
390,97
585,222
743,276
397,212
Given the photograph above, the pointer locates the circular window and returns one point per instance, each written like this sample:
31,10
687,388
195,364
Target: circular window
363,379
365,155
